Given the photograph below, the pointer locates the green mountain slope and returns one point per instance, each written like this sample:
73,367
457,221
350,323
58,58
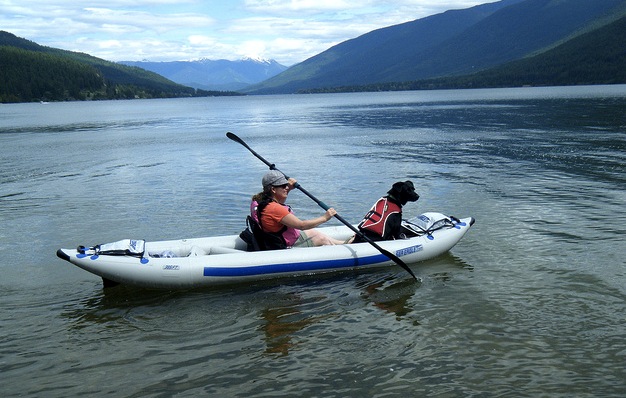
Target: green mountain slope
511,33
29,75
31,72
596,57
359,60
477,39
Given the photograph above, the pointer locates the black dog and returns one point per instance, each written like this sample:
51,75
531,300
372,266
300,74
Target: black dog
384,220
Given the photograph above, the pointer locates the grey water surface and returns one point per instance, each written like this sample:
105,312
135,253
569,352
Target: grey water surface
531,302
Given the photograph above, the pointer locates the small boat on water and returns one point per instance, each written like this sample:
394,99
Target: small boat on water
198,262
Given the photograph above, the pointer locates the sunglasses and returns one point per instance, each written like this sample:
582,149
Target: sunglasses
284,186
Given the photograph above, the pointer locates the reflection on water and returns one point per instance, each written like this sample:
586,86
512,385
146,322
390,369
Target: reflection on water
529,303
283,322
393,298
113,305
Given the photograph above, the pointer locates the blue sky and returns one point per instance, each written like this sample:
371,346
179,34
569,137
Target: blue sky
288,31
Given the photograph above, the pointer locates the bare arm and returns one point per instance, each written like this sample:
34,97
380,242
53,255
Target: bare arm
292,221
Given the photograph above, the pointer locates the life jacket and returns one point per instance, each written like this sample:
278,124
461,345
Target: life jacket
375,220
281,239
257,239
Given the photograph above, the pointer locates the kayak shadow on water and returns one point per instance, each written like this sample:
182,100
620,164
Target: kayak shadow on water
390,292
115,304
442,268
285,309
281,323
392,298
393,295
290,322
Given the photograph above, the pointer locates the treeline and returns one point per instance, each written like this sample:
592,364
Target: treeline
598,57
30,72
27,76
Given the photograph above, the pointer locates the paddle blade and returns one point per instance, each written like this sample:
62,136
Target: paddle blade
234,138
242,142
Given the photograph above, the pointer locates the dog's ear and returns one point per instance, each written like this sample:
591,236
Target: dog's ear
398,186
396,189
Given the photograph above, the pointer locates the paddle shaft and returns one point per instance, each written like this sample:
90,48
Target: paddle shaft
324,206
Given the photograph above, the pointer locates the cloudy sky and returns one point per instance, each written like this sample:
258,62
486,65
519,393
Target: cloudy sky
288,31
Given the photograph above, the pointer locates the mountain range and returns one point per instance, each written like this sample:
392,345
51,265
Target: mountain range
502,44
453,43
216,75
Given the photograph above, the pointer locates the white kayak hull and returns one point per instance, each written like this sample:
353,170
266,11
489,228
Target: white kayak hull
198,262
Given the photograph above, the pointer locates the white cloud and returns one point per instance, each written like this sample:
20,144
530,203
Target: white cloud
289,31
252,49
279,7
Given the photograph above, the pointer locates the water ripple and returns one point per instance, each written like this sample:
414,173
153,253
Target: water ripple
529,303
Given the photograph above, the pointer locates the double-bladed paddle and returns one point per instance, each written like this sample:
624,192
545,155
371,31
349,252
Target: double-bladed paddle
323,205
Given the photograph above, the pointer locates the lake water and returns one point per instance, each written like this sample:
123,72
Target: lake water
531,302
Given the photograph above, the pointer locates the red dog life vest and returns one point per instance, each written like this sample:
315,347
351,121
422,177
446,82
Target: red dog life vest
376,219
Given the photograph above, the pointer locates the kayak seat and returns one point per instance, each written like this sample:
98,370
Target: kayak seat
257,239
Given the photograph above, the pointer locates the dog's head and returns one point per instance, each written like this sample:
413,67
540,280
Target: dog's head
403,192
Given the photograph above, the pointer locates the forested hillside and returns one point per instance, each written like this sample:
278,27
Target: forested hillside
597,57
453,43
30,72
28,75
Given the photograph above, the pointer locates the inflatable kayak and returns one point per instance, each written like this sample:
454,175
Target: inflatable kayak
198,262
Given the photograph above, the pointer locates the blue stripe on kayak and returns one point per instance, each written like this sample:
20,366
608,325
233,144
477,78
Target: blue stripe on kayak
293,267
